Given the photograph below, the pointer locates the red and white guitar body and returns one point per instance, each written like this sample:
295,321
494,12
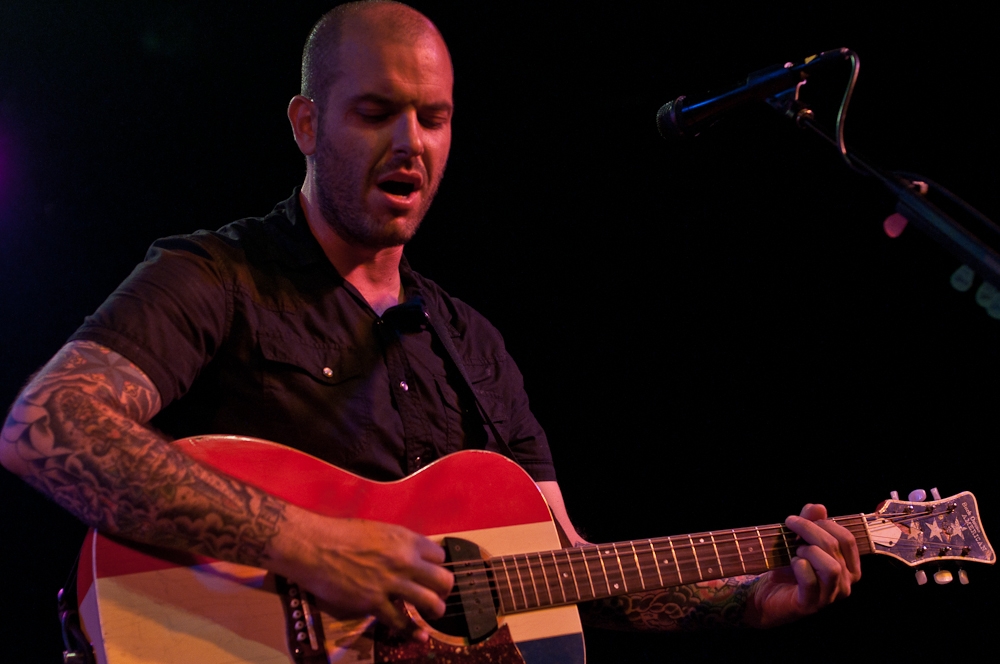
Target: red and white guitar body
158,607
514,597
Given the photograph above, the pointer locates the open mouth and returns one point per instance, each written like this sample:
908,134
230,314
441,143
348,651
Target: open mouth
397,188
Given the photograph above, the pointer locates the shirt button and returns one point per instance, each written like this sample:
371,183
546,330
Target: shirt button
404,386
328,372
418,462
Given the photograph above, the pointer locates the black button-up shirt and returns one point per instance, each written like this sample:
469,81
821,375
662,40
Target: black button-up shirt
250,330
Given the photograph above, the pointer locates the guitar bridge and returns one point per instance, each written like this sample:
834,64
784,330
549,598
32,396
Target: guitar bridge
303,629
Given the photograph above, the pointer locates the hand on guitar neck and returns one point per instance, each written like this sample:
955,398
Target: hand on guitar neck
823,567
822,571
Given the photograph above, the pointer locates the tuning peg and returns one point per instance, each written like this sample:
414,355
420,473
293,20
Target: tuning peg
935,494
963,577
943,577
962,278
921,577
917,496
894,495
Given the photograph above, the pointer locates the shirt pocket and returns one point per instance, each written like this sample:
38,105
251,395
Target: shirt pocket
484,375
326,364
317,394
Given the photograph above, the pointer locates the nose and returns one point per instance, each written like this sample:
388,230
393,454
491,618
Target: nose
407,138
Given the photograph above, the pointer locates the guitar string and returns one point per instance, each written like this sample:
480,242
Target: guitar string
637,573
556,598
686,571
727,558
726,537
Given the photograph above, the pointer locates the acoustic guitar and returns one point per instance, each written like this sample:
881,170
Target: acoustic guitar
515,589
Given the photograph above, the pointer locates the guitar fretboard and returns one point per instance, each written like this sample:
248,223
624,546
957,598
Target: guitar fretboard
566,576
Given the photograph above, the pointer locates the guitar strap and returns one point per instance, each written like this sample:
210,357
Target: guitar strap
444,336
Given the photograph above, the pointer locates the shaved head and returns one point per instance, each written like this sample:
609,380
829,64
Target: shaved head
373,19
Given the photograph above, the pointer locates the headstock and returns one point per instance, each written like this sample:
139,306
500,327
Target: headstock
918,532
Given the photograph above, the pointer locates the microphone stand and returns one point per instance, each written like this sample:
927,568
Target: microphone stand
910,199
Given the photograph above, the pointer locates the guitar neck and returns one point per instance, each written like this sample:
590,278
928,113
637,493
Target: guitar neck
525,582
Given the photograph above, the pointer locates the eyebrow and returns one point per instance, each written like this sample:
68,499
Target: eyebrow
376,98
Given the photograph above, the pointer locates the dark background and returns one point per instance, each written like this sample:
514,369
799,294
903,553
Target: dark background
712,333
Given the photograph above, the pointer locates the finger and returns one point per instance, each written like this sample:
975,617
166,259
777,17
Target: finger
435,577
847,545
813,512
828,571
429,551
813,533
808,584
843,544
429,603
413,630
392,614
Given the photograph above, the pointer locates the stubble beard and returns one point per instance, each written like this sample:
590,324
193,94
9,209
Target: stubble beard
341,201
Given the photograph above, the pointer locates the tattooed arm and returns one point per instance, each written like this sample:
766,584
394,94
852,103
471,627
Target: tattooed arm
78,434
822,571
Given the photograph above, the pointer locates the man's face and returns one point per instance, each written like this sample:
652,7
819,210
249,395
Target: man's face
383,138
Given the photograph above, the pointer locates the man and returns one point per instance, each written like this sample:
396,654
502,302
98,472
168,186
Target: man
308,327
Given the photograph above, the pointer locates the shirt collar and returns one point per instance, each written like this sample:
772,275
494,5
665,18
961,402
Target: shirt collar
294,243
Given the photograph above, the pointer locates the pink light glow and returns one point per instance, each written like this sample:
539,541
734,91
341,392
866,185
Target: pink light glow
894,224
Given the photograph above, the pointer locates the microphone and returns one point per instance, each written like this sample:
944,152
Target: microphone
683,117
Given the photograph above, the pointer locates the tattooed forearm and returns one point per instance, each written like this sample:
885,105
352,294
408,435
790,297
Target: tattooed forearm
695,606
76,434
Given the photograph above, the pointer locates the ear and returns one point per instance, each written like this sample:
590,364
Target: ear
304,116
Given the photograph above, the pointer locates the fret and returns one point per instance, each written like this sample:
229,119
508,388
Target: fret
788,547
750,547
684,559
665,563
572,572
697,563
583,552
520,581
739,551
604,570
545,577
659,575
715,550
493,577
559,575
863,536
621,570
763,551
531,575
635,555
775,546
506,573
677,563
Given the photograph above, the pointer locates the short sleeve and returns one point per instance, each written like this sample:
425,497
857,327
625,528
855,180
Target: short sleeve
169,316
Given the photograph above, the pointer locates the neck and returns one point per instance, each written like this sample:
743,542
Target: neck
373,272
